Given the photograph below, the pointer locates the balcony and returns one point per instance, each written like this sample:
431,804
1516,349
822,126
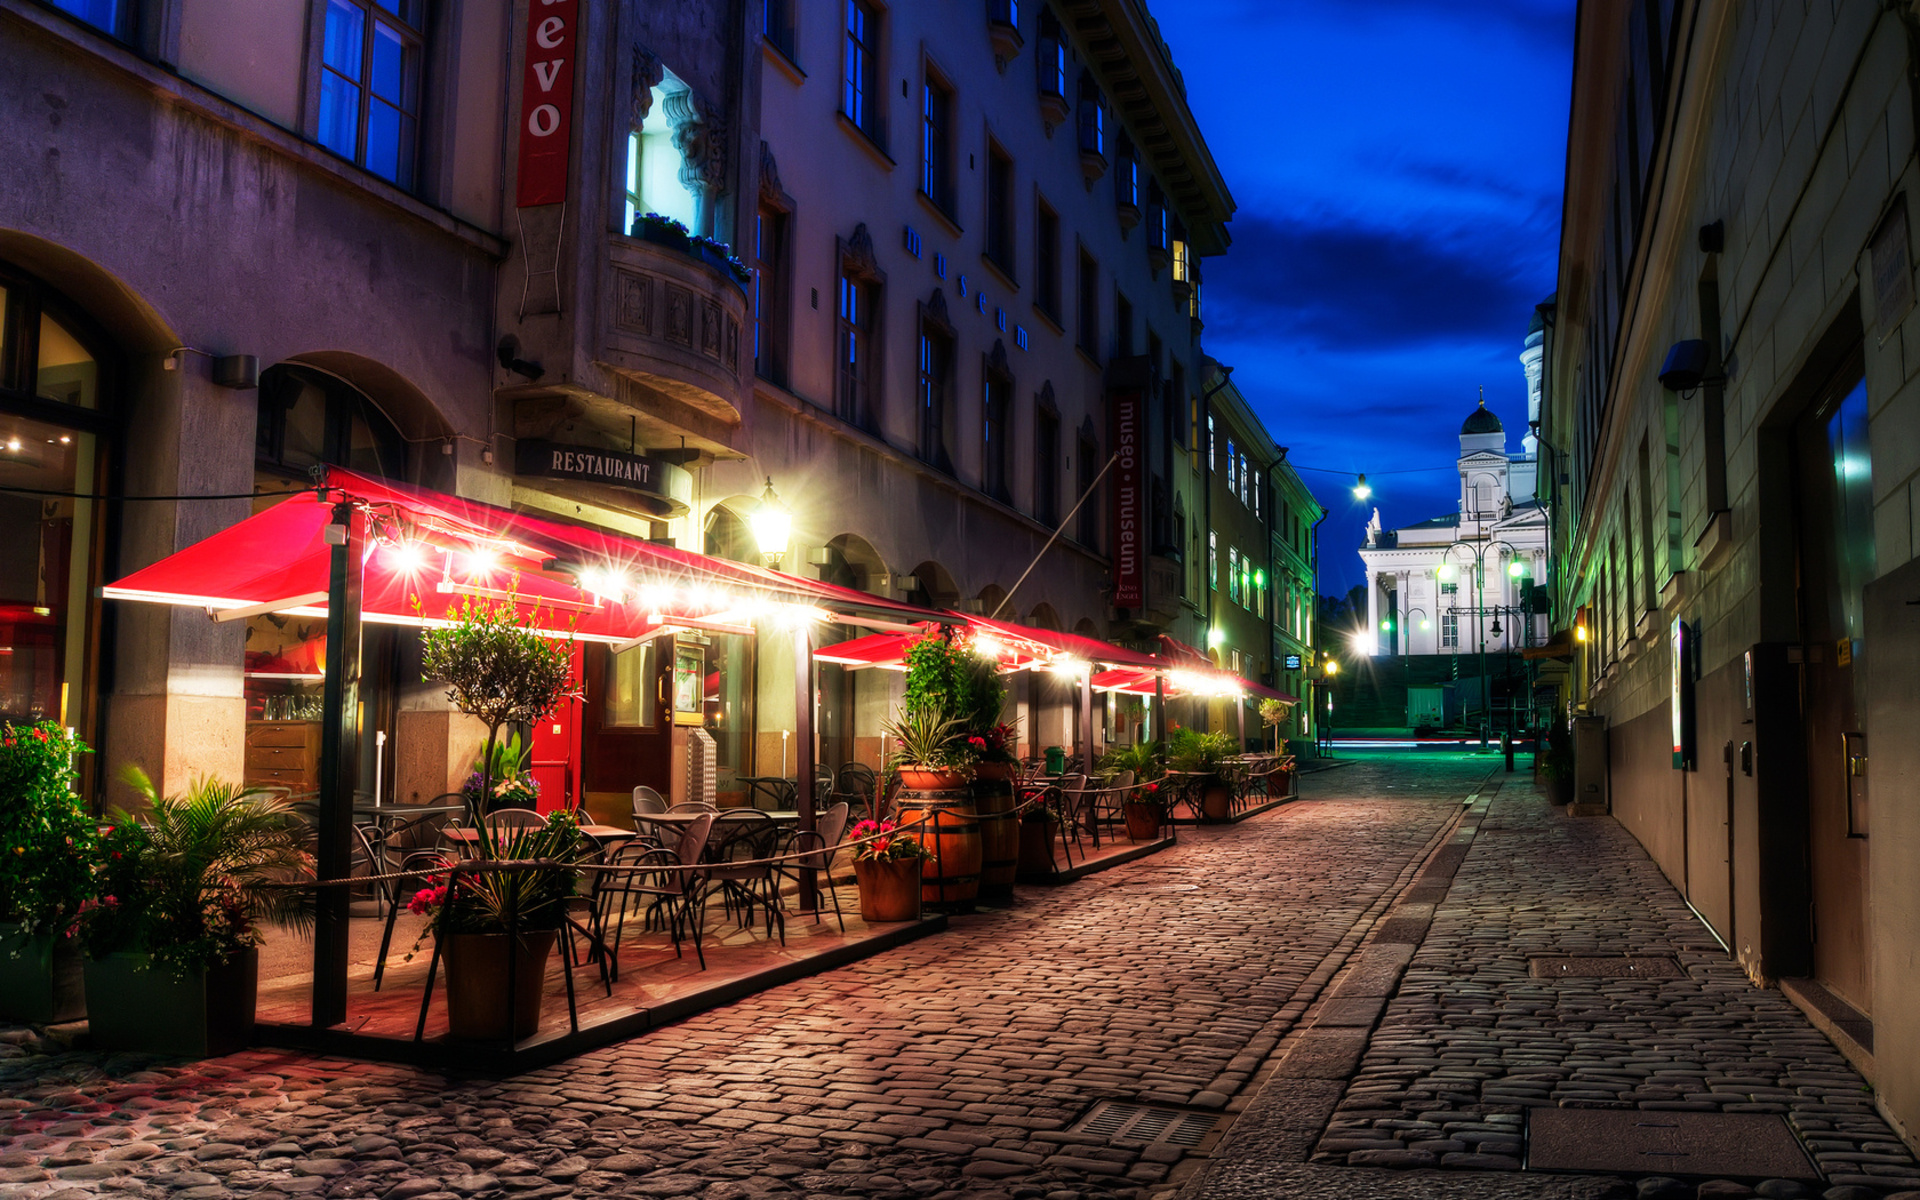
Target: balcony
678,323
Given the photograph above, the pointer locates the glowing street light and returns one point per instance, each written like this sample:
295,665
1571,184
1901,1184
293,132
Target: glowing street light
772,524
1360,489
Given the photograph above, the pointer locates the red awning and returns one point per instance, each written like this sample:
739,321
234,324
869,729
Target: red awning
426,551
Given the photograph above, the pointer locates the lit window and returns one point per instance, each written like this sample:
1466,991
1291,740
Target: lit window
1213,560
370,84
112,16
859,92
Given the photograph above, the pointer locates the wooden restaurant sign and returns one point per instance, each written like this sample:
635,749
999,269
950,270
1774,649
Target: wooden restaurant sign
666,486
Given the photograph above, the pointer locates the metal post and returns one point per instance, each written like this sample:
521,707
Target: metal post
339,765
803,701
1086,721
1240,711
1159,707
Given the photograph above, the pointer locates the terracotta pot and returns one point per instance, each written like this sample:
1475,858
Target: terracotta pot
477,984
1143,821
1216,802
889,891
926,779
1036,848
40,978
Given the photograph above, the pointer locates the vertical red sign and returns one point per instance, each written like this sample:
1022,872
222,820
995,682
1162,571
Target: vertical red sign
546,101
1129,501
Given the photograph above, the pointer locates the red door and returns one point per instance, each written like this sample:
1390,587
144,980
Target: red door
556,747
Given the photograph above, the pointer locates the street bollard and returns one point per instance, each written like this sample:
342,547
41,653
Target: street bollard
1506,747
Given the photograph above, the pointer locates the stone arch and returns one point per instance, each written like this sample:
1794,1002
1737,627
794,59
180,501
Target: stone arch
853,562
727,533
990,599
1086,628
417,417
934,587
132,324
1044,616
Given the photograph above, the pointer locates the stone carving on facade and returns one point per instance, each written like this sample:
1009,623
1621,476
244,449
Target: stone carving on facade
648,71
858,258
679,315
634,302
700,135
936,311
997,364
771,191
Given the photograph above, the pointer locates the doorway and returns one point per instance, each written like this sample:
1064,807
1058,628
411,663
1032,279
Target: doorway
626,719
1833,564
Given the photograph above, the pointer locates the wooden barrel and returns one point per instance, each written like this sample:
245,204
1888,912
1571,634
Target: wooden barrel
999,829
950,830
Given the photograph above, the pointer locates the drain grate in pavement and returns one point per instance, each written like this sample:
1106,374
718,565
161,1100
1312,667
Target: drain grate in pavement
1648,966
1148,1124
1742,1146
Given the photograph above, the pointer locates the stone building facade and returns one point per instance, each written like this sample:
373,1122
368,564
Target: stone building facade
1729,434
428,240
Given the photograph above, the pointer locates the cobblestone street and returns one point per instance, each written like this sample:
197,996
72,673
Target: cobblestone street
961,1065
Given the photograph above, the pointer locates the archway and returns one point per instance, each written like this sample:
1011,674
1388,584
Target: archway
991,598
933,587
727,535
1043,616
853,562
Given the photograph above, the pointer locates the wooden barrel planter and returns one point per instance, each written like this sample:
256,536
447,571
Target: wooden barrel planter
999,828
942,804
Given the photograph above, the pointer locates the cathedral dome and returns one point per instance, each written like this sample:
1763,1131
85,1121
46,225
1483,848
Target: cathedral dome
1481,421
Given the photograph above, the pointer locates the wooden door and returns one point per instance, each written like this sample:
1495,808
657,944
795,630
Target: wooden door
1835,562
626,733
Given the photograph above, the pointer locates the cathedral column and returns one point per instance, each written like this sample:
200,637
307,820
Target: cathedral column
1373,610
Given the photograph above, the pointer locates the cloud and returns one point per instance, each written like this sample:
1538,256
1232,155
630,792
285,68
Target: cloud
1348,286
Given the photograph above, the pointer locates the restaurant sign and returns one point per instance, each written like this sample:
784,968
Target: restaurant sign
666,487
1129,500
546,101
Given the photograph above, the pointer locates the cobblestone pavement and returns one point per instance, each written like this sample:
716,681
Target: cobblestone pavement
950,1067
1469,1040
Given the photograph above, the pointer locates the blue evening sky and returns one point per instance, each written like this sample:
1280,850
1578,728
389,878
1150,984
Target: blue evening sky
1398,166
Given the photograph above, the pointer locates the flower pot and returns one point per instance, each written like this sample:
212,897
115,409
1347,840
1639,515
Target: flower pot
135,1005
477,984
661,235
1216,802
1036,848
889,891
927,779
1143,821
40,978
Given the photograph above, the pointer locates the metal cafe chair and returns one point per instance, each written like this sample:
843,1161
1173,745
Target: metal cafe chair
857,782
692,806
645,877
741,837
817,848
646,800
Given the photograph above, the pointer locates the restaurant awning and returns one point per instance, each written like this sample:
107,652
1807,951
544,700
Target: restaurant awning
1560,645
426,551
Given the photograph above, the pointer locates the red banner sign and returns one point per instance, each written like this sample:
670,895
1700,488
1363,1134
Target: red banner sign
546,101
1129,500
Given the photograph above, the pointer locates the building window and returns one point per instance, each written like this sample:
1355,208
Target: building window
1046,260
1000,209
654,164
858,317
1212,444
1243,479
1126,182
1089,305
1122,326
777,26
114,17
996,456
1046,467
1233,574
1233,468
936,142
370,84
1254,492
1449,631
1093,119
935,365
772,287
1088,471
860,86
1050,59
1213,560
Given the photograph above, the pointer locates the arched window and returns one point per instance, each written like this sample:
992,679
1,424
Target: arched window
728,537
309,418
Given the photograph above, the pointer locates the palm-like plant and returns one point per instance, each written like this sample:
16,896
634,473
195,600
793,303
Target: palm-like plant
191,880
530,894
927,738
1142,758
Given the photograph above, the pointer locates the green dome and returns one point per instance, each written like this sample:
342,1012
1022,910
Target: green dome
1481,421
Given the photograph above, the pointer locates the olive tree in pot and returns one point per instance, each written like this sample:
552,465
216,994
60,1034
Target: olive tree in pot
498,669
172,941
48,847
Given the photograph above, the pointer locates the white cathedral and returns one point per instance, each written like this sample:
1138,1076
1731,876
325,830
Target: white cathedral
1459,583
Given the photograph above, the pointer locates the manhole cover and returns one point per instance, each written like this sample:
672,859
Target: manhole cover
1148,1124
1740,1146
1595,967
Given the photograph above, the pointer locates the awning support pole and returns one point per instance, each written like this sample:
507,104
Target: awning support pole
803,698
1240,707
1086,721
339,766
1159,727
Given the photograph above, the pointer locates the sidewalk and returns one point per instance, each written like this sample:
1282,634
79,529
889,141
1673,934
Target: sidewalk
1470,1040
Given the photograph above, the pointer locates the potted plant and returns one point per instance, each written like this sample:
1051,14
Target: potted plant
1203,757
1037,820
719,256
660,230
930,750
1145,807
172,939
48,847
497,669
887,868
496,925
513,783
1274,714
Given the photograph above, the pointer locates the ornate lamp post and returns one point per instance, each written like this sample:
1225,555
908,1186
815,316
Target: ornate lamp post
1449,570
772,525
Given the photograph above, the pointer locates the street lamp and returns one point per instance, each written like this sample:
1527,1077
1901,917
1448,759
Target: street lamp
1448,570
772,525
1360,489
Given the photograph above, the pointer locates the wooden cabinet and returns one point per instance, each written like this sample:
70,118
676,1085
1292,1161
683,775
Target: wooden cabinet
284,754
